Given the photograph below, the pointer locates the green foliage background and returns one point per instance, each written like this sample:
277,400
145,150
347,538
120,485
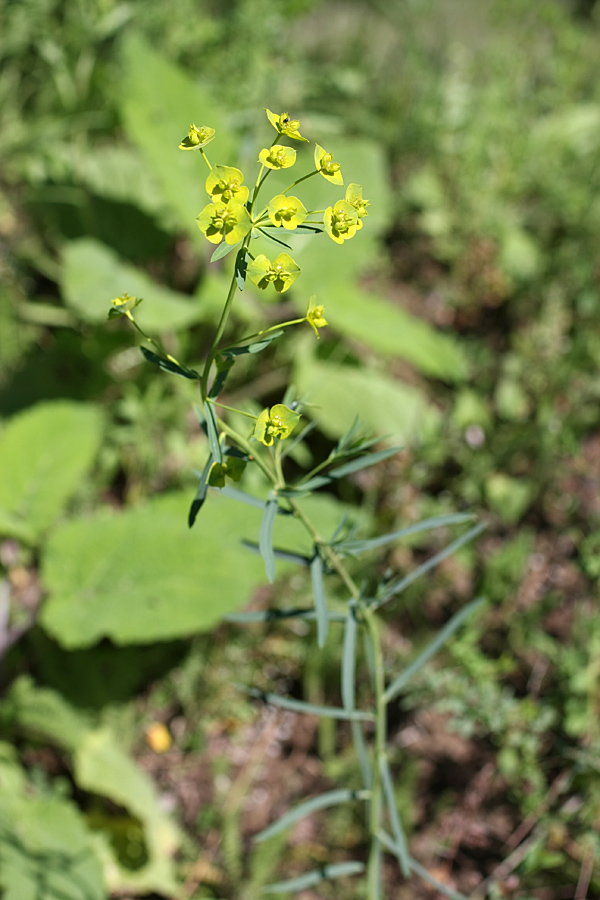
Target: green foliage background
465,325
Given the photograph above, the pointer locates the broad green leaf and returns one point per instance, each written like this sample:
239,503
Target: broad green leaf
159,102
102,767
309,879
44,453
42,712
323,801
92,275
142,575
46,850
340,393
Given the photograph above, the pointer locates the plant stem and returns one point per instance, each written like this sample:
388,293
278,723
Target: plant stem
376,805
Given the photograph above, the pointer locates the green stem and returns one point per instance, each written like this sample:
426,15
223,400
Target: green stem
205,158
232,409
304,177
376,804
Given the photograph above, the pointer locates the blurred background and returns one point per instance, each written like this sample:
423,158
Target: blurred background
464,325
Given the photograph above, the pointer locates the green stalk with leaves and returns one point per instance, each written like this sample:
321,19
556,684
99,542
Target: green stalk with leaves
233,219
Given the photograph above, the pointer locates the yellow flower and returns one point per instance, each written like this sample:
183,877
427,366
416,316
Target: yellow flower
122,306
275,423
284,125
286,211
341,221
327,167
277,157
315,316
158,737
225,183
281,273
355,198
224,220
197,138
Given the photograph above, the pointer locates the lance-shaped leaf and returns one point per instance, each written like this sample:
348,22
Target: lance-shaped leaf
396,587
169,365
397,829
273,615
271,237
255,346
349,659
283,555
330,712
318,586
213,432
329,798
265,537
223,249
198,501
241,265
309,879
355,547
431,649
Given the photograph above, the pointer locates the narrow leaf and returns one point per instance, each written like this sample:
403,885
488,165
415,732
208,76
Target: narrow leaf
169,365
223,249
254,346
200,497
397,586
313,483
309,879
318,586
283,555
331,712
349,659
436,644
271,615
242,496
241,264
363,462
422,872
271,237
212,432
289,445
265,538
361,546
397,829
364,760
329,798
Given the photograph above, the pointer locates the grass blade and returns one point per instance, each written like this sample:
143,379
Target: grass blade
349,660
318,586
431,649
397,829
329,798
398,586
360,546
265,538
309,879
331,712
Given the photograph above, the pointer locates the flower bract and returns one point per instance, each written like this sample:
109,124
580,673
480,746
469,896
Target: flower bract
231,467
281,273
286,211
284,125
315,316
224,220
341,221
123,305
277,157
275,423
355,198
327,167
197,138
225,183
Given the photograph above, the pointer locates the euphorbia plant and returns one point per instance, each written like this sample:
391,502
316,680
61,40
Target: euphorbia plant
234,218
